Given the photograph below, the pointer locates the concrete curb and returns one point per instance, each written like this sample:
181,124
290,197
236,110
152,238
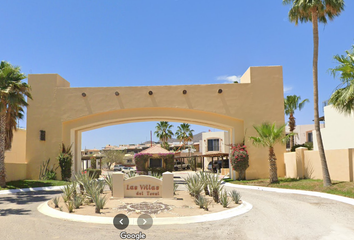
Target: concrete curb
13,191
294,191
51,212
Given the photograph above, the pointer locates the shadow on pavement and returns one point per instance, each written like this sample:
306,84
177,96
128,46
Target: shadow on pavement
11,211
28,197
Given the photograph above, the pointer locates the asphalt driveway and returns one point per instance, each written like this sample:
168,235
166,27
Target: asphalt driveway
274,216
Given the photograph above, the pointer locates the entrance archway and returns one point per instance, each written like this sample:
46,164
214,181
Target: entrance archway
63,113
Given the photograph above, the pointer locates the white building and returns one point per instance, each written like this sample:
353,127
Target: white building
338,132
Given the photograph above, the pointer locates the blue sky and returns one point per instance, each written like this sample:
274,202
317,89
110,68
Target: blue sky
166,42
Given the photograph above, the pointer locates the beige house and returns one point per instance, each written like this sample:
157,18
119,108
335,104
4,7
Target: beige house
303,133
338,141
59,114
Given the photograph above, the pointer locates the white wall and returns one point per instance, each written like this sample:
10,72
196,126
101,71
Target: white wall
338,132
301,132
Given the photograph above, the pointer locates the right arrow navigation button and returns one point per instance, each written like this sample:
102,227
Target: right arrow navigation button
145,221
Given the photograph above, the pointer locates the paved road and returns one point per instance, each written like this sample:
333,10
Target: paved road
274,216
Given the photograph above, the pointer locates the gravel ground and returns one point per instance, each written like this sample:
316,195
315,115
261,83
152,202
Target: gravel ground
274,216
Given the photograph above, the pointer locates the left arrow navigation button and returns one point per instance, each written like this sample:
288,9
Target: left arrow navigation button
121,221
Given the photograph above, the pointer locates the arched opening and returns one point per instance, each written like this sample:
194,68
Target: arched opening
73,129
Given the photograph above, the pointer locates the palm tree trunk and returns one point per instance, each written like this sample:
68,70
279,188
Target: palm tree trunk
325,172
273,171
2,149
292,128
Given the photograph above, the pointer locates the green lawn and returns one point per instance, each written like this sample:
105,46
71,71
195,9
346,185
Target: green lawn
339,188
33,184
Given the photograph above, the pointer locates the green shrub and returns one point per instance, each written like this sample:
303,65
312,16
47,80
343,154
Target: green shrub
94,173
191,162
65,159
308,145
239,159
93,162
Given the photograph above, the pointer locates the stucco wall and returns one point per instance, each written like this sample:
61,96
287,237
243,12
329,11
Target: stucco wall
223,141
17,153
15,171
339,130
64,113
307,164
15,158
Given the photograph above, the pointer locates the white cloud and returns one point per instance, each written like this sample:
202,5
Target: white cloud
287,89
229,79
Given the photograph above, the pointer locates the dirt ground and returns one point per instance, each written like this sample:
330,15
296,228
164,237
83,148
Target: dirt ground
182,205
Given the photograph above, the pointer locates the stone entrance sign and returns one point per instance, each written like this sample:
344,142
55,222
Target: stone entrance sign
143,186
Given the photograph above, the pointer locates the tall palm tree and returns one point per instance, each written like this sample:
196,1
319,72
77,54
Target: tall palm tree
343,98
269,135
292,103
164,132
13,93
184,133
316,11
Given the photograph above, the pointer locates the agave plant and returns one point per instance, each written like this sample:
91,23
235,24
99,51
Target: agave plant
70,206
236,196
204,177
194,185
83,180
93,188
200,201
100,202
56,202
109,181
77,201
68,191
129,175
224,199
175,187
215,186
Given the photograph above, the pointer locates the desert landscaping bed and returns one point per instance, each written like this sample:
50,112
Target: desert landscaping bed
182,205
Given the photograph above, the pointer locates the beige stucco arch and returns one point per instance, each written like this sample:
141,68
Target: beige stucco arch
64,112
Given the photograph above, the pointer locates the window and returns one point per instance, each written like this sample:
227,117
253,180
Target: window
129,161
309,137
155,162
213,145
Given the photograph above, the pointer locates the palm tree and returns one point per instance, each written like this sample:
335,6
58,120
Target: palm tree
318,10
164,132
184,133
343,98
12,100
269,135
292,103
